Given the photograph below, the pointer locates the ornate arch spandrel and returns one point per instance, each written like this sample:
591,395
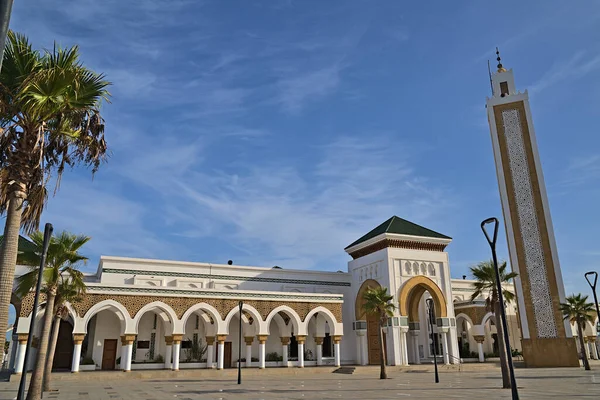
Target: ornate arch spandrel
411,293
133,303
358,304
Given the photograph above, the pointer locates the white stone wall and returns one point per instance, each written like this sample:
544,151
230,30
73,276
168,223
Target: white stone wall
107,327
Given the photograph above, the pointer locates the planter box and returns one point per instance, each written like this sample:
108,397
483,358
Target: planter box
194,365
142,366
90,367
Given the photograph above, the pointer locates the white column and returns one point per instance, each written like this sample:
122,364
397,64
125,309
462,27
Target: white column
417,356
129,350
301,340
176,351
285,341
21,354
168,351
124,354
445,348
262,339
594,349
480,349
336,350
12,352
221,353
319,343
587,348
248,355
364,349
404,347
249,340
77,341
210,352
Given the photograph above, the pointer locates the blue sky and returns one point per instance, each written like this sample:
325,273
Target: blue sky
277,132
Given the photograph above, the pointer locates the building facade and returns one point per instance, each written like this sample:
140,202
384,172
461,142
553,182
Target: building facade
152,314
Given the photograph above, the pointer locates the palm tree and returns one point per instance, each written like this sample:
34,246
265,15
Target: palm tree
378,302
485,284
578,310
49,120
62,282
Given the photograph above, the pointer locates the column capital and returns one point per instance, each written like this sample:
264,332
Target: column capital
249,340
221,338
337,339
210,340
586,339
318,340
592,339
262,339
479,338
285,340
301,339
22,338
78,338
169,340
127,339
177,339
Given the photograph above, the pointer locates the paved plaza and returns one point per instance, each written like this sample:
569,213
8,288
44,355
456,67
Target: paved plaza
418,384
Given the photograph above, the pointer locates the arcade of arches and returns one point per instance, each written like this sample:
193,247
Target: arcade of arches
125,332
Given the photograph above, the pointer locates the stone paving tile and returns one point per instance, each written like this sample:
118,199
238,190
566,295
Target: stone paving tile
533,384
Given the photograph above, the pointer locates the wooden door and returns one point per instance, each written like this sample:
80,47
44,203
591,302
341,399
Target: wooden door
227,355
373,340
63,354
109,354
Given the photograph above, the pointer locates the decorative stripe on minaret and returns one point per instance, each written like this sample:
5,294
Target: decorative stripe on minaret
529,225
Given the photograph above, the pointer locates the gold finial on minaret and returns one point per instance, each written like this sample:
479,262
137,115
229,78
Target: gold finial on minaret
500,67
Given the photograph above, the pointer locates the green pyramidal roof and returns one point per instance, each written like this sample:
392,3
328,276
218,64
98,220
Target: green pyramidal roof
402,227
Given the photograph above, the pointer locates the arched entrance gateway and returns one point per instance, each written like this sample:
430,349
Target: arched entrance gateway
412,296
372,323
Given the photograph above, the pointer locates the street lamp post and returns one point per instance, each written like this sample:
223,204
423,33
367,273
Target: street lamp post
593,286
431,309
47,235
492,243
240,305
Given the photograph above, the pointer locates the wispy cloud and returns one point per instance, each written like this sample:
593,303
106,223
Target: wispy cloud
313,85
579,65
581,171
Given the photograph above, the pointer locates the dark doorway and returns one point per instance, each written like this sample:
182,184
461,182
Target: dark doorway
109,354
227,355
327,346
293,347
63,355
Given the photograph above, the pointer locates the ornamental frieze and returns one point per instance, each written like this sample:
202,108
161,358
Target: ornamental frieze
133,303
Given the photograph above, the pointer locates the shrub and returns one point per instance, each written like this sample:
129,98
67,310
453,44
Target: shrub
159,359
90,361
196,350
308,355
273,357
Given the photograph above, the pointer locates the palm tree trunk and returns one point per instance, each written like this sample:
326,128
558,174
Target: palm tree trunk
586,363
383,373
51,350
35,386
8,256
501,347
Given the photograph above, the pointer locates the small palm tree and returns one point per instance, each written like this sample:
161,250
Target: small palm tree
577,310
378,302
62,282
49,120
485,284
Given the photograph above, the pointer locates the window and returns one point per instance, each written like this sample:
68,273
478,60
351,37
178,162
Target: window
143,344
503,89
186,344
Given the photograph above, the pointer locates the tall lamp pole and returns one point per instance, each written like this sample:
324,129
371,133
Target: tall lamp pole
431,309
47,235
5,9
240,305
593,286
492,243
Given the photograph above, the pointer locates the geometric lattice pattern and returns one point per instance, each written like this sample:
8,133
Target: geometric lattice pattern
529,226
133,303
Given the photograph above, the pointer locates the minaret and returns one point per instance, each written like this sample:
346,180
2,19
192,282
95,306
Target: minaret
546,338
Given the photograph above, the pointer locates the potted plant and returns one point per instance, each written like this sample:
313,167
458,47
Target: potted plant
87,364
